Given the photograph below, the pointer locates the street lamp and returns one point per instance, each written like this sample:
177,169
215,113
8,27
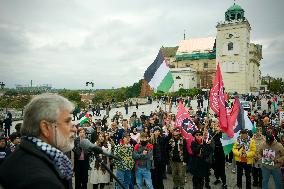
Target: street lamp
92,84
2,85
89,83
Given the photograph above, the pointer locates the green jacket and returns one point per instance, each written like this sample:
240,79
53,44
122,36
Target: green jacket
125,153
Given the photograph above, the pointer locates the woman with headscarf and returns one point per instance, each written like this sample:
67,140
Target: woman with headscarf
99,175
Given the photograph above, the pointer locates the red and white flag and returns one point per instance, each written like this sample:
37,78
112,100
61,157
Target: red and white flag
186,125
219,104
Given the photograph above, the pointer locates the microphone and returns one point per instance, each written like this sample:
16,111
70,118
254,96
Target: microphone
85,144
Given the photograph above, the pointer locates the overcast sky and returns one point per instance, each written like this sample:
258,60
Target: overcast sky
68,42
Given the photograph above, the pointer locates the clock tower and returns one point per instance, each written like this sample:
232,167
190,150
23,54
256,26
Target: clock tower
232,50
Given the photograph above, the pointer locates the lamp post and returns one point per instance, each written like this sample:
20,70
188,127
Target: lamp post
2,85
92,84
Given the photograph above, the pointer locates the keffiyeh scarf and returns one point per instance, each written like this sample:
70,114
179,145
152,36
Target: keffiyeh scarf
244,142
61,162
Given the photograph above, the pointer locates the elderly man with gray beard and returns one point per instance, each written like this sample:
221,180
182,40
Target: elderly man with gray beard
47,133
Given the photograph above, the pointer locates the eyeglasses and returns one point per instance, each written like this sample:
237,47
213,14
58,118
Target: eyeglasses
55,125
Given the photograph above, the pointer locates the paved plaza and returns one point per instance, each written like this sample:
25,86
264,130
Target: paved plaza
231,177
168,183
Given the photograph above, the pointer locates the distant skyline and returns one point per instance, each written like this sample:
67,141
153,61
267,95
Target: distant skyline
66,43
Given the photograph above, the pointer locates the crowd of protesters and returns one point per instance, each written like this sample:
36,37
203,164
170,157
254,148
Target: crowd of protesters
150,146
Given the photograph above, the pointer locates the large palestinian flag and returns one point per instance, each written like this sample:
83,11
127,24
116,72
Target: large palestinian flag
158,74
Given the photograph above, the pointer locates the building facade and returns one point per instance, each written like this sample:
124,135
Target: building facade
239,59
185,78
200,55
231,48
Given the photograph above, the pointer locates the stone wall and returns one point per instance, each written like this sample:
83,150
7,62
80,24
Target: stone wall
145,89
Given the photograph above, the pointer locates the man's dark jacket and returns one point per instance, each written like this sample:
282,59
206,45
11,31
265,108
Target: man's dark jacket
29,168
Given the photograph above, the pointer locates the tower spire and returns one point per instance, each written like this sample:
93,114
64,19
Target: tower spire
183,34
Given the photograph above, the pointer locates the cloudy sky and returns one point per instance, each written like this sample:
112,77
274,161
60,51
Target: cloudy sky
68,42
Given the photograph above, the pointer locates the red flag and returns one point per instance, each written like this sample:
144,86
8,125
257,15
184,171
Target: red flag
219,105
187,126
235,112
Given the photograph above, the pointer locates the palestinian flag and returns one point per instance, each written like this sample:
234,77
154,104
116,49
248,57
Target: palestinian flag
242,122
85,119
274,103
158,74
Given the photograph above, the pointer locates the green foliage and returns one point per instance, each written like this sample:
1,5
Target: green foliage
188,92
82,104
17,102
181,92
119,95
11,92
73,96
263,82
160,93
276,86
101,96
4,102
15,92
134,90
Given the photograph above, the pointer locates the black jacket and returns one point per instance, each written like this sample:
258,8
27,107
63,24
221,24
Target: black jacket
4,153
159,151
202,155
29,168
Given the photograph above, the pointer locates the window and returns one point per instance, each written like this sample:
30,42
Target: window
231,67
230,35
238,16
205,65
178,77
230,46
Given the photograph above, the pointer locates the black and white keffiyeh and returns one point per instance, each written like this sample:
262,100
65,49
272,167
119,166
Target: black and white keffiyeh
61,162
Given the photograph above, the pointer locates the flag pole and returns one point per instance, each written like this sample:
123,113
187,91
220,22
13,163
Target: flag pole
208,104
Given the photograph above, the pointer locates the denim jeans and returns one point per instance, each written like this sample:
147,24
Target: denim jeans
124,177
132,179
146,174
277,176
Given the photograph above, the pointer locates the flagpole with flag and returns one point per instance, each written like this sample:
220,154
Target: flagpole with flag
187,126
219,105
158,74
240,121
86,118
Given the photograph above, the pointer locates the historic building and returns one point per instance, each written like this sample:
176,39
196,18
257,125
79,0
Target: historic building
185,78
238,57
198,54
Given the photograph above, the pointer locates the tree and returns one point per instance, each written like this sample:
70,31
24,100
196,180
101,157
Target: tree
73,96
119,95
99,97
4,102
276,86
11,92
134,90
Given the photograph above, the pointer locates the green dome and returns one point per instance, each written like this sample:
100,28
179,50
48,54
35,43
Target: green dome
235,12
235,7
